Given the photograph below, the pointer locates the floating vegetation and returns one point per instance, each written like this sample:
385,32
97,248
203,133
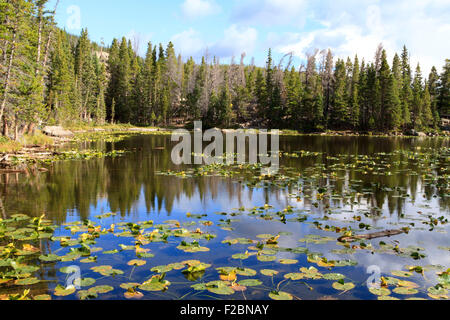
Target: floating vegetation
291,251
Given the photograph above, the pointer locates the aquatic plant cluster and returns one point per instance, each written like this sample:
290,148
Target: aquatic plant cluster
174,259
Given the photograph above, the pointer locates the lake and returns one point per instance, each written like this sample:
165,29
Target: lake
184,232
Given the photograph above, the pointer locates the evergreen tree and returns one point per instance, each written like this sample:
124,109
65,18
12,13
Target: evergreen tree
417,99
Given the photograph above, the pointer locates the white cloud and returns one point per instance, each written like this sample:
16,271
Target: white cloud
189,43
139,40
193,9
235,41
357,27
270,12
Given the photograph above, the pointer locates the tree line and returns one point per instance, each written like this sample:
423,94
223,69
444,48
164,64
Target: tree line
52,77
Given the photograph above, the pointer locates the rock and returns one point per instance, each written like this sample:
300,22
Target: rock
57,131
422,134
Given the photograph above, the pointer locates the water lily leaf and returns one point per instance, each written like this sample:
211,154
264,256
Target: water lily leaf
343,287
246,272
405,290
250,283
85,295
387,298
408,284
99,269
133,294
333,276
268,272
87,282
438,293
288,261
129,285
68,270
240,256
49,258
264,258
26,282
91,259
137,263
177,266
199,286
294,276
228,276
111,251
265,236
101,289
61,291
154,286
238,288
42,297
280,295
403,274
380,291
220,289
70,257
162,269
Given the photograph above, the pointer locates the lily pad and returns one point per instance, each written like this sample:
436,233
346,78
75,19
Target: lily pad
343,286
280,295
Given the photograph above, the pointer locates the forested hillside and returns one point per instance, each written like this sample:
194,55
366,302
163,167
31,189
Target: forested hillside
51,77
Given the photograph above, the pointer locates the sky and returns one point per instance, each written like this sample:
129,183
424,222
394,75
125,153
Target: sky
227,28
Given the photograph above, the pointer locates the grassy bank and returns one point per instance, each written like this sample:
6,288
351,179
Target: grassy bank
38,139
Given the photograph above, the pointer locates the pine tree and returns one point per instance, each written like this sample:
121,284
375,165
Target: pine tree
433,85
444,91
61,80
417,99
354,95
340,111
427,114
406,95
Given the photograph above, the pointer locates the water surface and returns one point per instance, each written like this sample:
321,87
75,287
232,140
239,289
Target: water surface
382,183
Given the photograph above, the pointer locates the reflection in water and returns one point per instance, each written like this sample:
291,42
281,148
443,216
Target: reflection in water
393,182
130,183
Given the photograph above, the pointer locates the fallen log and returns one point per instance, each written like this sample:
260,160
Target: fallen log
6,171
370,236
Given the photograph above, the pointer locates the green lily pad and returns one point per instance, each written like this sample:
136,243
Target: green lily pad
250,283
26,282
137,263
405,290
161,269
268,272
333,276
101,289
42,297
288,261
49,258
240,256
343,287
87,282
221,290
61,291
403,274
380,291
294,276
264,258
280,295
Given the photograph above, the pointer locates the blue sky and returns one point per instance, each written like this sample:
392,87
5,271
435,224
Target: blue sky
227,28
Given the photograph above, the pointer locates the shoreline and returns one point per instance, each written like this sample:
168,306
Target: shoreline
19,161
